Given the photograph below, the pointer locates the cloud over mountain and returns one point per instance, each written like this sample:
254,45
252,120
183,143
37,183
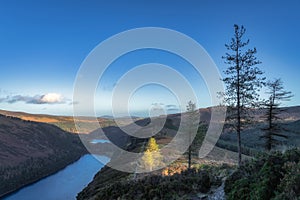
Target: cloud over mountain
49,98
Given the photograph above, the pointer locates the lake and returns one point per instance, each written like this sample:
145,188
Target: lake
99,141
66,183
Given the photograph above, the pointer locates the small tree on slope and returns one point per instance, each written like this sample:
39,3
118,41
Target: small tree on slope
151,157
191,108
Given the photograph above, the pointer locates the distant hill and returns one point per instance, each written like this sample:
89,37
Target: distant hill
30,151
251,140
66,123
88,124
251,136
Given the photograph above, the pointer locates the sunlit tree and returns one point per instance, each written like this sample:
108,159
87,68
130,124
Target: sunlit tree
152,156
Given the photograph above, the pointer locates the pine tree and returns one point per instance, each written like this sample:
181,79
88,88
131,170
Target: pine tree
191,107
243,80
277,94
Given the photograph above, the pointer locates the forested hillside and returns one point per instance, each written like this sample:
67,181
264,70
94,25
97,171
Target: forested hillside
32,150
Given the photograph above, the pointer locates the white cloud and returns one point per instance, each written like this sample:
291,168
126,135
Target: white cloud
49,98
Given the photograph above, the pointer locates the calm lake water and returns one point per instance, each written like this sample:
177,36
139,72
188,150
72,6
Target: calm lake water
66,183
101,141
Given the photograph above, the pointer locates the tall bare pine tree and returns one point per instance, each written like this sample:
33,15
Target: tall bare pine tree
277,94
243,80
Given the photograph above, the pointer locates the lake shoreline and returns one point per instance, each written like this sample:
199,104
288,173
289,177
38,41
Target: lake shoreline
7,194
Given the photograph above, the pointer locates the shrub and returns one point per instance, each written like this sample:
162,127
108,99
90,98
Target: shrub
274,176
158,187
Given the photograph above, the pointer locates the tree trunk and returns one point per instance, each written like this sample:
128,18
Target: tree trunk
190,157
269,137
239,138
189,152
238,107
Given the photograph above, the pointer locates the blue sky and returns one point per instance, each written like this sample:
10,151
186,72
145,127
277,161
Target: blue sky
43,43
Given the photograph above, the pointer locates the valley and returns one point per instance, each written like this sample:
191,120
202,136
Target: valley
44,148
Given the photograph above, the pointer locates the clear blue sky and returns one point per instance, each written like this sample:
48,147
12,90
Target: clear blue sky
43,43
